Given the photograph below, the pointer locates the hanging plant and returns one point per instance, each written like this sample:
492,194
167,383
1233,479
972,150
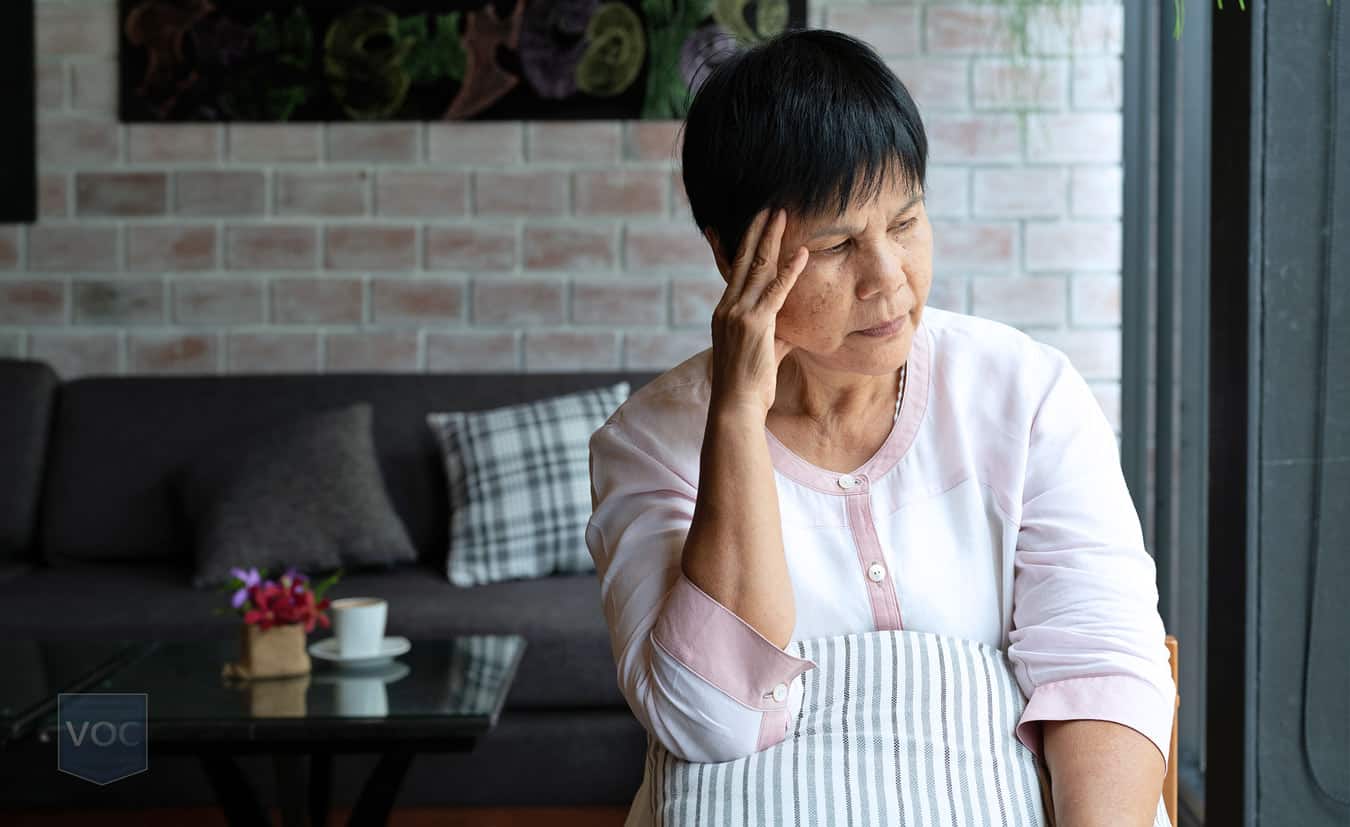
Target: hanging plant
1019,14
1179,7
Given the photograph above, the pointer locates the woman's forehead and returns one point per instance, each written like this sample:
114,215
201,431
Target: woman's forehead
890,200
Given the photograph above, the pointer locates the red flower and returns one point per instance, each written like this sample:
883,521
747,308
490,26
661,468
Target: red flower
275,605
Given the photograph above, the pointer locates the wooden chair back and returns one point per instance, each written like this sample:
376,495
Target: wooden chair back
1170,782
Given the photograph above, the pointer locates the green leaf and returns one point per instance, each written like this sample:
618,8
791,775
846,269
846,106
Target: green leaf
266,36
297,39
325,584
433,58
283,101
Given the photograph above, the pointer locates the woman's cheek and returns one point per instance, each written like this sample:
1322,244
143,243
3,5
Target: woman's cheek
788,324
806,316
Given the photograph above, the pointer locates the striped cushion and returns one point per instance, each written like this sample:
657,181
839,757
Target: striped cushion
519,484
897,728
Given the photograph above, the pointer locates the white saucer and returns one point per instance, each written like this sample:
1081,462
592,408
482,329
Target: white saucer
388,673
390,648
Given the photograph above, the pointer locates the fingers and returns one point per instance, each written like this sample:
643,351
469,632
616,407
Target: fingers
776,291
740,268
763,265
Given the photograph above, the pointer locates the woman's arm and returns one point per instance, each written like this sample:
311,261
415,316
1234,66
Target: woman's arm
734,551
1087,643
1102,773
701,679
702,660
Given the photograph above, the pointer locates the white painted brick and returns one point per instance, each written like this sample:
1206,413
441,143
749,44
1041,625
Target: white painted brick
1097,192
1018,84
1031,300
1087,137
1021,193
948,192
949,293
1096,300
935,83
1079,245
1026,211
1097,83
891,30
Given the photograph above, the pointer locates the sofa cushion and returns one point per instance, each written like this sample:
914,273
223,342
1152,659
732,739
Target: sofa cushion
29,393
519,482
567,661
107,494
306,494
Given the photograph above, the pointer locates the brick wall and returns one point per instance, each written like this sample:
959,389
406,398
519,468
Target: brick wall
531,246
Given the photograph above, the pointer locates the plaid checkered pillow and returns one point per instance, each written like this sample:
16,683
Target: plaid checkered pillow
519,481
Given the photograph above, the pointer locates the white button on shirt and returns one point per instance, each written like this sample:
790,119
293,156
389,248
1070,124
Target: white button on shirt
780,692
876,572
848,481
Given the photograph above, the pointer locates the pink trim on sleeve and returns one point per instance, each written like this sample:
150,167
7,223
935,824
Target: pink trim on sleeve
722,649
1123,699
772,729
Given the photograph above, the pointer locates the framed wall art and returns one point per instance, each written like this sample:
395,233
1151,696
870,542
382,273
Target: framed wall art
428,60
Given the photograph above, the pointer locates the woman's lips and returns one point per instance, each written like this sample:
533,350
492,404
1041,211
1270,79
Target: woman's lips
888,329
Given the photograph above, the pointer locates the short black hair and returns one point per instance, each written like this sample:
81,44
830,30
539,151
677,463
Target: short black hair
809,120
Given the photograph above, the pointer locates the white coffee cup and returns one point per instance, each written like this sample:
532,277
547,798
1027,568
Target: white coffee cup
358,625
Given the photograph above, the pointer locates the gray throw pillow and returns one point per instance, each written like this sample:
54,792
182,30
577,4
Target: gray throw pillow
520,485
307,493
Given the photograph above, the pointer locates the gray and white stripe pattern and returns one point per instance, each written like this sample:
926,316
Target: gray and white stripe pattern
479,666
520,485
896,728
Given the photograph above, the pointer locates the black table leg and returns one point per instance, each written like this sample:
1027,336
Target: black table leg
237,799
291,770
378,794
320,787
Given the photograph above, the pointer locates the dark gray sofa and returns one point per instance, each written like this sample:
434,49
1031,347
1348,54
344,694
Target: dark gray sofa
92,547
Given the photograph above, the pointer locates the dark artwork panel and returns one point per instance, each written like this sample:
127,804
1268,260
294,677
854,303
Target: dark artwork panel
429,60
18,140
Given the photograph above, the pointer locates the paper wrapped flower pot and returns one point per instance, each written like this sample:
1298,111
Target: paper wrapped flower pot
275,652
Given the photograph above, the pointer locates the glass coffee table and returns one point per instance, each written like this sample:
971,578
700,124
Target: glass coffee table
37,671
440,696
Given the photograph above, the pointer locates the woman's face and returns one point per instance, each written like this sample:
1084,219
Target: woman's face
868,267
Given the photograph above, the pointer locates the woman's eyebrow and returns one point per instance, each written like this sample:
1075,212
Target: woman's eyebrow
840,230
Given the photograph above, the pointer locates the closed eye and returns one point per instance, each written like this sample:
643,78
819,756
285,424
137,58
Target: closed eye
841,246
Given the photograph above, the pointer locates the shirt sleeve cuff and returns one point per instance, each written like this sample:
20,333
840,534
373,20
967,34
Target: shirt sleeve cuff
1123,699
717,645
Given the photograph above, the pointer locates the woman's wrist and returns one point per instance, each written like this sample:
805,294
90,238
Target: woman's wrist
736,411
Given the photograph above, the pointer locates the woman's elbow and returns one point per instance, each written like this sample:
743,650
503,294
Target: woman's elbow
700,730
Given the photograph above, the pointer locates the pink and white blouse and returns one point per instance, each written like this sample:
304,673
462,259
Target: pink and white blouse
995,510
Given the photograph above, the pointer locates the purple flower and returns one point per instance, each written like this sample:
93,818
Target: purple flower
295,576
250,578
292,582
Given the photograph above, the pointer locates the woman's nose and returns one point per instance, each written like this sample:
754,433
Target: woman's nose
880,272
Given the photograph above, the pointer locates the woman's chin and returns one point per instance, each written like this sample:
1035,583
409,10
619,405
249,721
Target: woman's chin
882,355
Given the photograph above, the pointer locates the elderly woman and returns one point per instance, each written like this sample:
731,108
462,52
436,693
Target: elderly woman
844,459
